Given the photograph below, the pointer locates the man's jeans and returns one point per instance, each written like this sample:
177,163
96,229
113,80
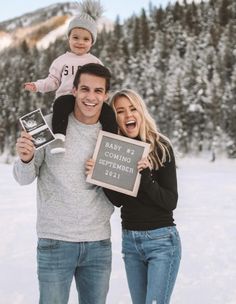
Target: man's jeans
59,262
152,261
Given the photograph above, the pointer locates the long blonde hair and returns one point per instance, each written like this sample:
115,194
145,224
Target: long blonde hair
159,150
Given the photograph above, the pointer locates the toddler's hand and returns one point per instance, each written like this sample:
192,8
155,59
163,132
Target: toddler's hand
30,86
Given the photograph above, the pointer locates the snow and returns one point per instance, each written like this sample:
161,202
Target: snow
5,40
205,218
52,36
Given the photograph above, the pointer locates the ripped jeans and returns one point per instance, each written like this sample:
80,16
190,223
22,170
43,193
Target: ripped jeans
152,261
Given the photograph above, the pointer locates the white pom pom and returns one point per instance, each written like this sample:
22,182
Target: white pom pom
92,8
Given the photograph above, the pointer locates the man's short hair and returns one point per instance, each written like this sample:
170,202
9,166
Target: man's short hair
93,69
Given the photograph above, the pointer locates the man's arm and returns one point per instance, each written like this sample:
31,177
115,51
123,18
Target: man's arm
26,168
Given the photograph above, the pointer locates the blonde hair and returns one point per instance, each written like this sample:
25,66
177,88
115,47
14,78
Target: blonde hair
148,132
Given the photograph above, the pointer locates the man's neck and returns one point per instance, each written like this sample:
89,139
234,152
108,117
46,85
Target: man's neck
86,120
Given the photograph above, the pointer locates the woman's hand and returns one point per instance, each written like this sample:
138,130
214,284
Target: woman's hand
89,165
143,164
25,147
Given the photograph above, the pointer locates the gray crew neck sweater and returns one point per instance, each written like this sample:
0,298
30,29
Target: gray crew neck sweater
68,208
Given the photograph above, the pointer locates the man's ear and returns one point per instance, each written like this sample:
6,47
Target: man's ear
107,95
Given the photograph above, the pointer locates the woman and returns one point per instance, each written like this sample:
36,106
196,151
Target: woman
150,241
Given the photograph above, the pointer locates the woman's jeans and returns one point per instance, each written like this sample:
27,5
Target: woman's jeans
88,262
151,261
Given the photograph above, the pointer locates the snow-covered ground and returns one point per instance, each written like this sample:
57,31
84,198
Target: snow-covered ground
205,217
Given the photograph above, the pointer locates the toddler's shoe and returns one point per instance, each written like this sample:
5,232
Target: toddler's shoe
58,144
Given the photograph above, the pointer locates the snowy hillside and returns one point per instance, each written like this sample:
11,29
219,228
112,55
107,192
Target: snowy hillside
32,27
38,16
41,27
205,217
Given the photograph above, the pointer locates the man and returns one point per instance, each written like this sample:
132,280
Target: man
73,224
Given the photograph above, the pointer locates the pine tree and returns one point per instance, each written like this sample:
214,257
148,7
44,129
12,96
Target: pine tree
224,13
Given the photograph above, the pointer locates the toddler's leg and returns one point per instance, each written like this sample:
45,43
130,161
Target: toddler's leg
62,107
108,119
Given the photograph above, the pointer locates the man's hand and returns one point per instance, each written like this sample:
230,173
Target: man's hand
89,165
25,147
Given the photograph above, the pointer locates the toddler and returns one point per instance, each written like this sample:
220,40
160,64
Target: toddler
82,34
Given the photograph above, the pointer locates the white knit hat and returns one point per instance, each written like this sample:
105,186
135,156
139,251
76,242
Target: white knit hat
90,12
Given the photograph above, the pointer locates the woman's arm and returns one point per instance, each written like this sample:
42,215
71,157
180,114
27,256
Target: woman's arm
160,187
116,198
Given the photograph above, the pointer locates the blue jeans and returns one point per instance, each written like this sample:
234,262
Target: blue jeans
152,261
88,262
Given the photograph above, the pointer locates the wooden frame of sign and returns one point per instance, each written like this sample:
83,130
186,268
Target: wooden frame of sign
116,160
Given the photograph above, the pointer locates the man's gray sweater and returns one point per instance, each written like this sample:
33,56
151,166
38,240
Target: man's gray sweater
68,208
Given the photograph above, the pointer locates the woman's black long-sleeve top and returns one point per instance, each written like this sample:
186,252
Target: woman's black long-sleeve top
157,198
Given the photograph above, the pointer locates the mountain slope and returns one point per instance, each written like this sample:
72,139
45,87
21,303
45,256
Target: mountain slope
41,27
